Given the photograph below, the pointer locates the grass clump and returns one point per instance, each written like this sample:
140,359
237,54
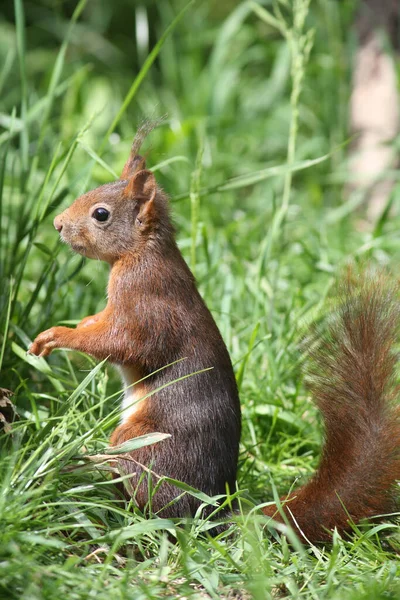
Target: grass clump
253,154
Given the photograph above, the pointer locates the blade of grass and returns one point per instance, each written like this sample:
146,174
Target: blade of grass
57,72
6,324
20,26
241,181
142,74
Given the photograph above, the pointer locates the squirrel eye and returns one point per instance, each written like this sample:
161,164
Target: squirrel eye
100,214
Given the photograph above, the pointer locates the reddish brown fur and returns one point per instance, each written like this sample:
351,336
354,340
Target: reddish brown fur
138,424
155,317
352,383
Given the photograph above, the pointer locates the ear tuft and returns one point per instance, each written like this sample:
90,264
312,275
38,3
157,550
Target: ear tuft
142,186
134,164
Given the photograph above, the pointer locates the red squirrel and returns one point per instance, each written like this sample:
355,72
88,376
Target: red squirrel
155,317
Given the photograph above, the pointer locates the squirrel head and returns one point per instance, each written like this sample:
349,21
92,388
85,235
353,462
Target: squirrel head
119,218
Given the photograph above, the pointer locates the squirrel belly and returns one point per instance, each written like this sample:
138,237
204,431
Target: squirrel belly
134,392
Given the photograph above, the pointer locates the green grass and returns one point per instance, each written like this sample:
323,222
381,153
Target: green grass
253,155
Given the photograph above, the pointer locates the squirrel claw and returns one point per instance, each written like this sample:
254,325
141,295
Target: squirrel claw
44,343
34,349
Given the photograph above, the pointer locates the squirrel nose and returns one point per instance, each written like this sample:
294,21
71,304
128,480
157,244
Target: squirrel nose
57,224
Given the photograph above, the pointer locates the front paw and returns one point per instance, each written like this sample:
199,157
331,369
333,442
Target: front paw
46,342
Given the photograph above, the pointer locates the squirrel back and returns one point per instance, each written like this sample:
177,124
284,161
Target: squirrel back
352,381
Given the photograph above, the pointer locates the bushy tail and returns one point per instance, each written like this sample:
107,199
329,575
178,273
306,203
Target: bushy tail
351,379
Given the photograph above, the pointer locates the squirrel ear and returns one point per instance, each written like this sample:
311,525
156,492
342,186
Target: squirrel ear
142,186
134,164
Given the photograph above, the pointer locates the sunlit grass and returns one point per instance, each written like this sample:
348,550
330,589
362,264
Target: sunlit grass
253,155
